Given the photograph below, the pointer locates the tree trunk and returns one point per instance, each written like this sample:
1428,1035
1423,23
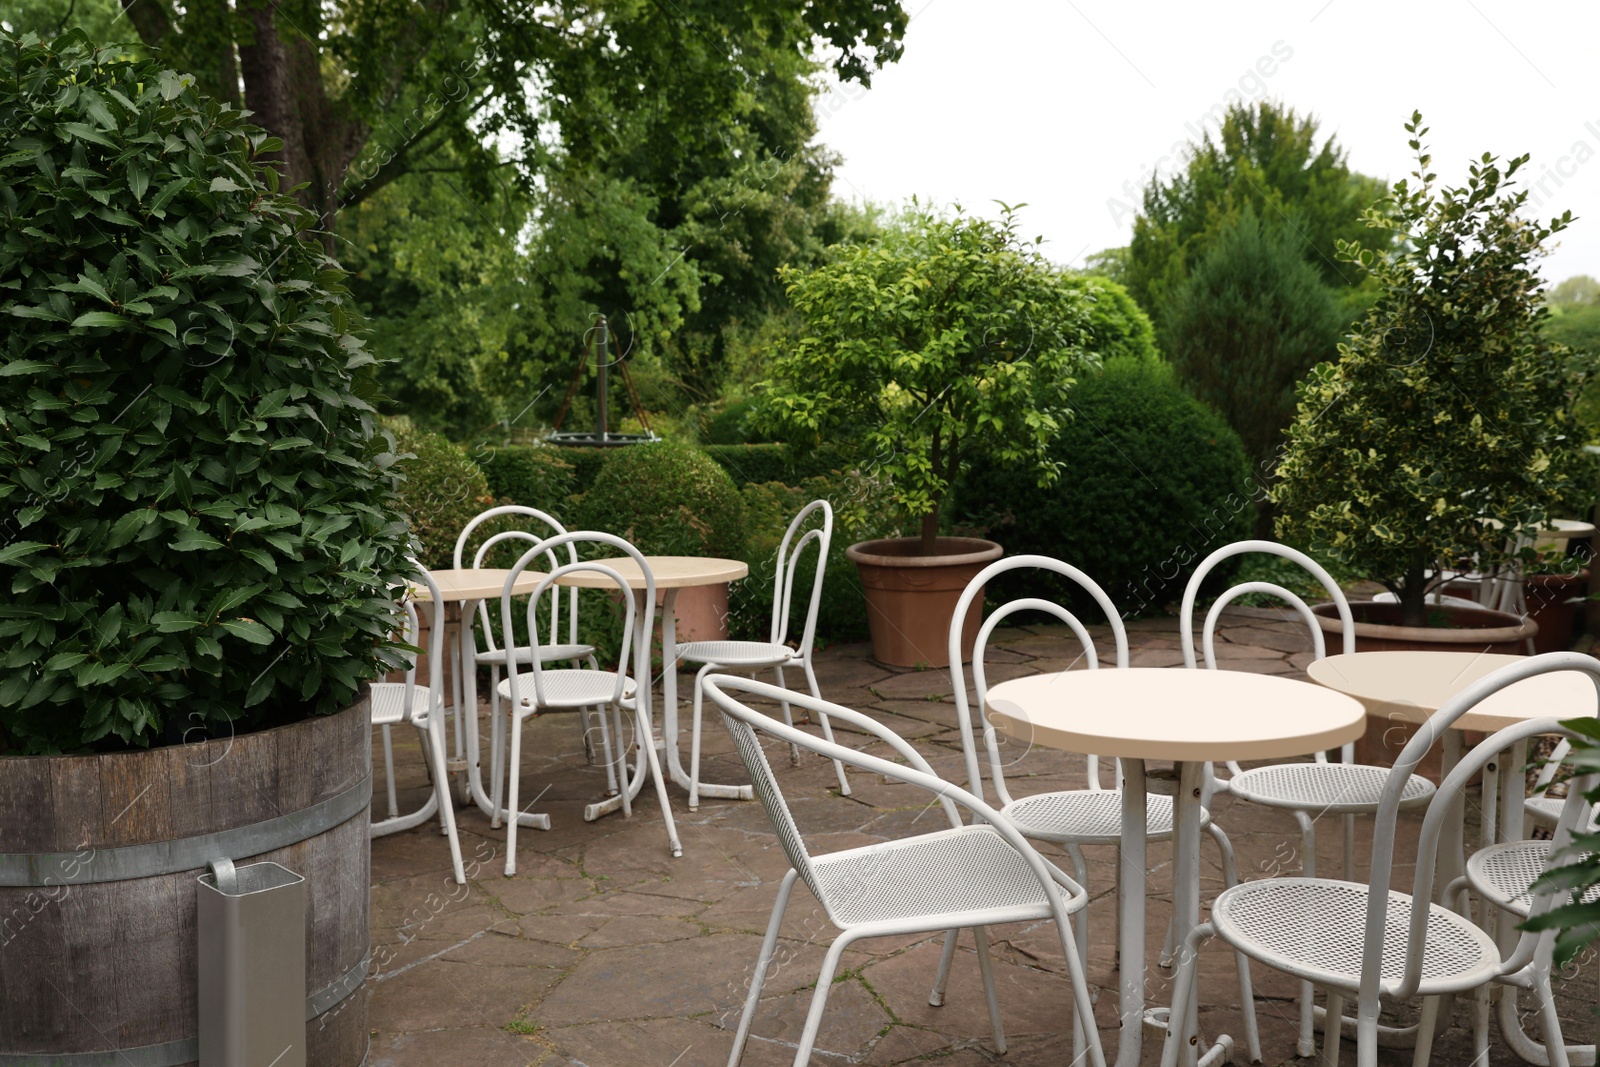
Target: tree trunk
930,531
283,87
1414,597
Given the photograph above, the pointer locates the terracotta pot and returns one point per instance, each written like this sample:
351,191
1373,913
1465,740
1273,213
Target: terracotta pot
1553,601
701,611
911,598
1464,630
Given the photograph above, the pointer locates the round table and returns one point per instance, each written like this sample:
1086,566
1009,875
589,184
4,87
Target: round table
1190,717
470,586
1408,687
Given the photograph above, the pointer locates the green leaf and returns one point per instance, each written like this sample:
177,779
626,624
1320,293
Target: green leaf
225,185
20,550
98,318
248,629
24,366
190,540
82,131
172,622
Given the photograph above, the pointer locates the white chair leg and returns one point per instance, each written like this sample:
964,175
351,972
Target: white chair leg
694,736
819,1000
1349,848
1550,1024
986,968
647,741
1426,1023
497,751
941,978
1247,997
605,749
794,750
388,772
1174,1041
759,977
1333,1031
1307,1044
447,808
827,727
622,762
513,777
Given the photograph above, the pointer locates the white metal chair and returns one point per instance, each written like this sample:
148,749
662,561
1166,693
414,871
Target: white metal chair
1388,946
553,649
1307,790
539,689
422,706
776,652
966,876
1075,817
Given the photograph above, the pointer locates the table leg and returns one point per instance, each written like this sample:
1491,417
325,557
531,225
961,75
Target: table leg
1186,887
669,710
1130,915
468,676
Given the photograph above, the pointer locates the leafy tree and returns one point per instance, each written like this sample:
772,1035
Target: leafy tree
1250,319
1266,157
1447,408
945,340
362,93
1117,326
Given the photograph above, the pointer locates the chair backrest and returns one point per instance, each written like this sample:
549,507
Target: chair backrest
630,599
957,675
1319,649
790,549
555,529
1438,816
745,723
435,650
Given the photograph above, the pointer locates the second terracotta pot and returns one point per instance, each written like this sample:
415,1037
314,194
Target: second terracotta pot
911,597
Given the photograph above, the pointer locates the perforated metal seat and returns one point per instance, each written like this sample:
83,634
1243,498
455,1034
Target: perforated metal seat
496,657
389,704
959,877
1504,874
1311,928
570,688
1088,816
737,653
1327,788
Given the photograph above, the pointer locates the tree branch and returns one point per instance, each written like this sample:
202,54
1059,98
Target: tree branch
398,162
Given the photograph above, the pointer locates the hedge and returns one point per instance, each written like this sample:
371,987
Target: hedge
1151,482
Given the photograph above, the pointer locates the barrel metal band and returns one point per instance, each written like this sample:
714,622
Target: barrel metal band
185,1050
157,858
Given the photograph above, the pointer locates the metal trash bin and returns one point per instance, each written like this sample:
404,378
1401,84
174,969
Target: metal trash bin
252,966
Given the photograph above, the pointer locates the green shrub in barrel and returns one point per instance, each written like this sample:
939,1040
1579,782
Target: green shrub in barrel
201,539
201,523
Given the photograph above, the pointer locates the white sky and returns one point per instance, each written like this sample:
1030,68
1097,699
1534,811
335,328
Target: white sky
1066,105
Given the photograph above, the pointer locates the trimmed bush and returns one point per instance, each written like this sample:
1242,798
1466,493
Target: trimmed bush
441,492
758,464
1152,481
201,530
732,426
1117,326
535,476
667,499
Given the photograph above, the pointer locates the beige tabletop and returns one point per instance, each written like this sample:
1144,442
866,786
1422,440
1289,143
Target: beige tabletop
671,572
1164,713
477,583
1410,686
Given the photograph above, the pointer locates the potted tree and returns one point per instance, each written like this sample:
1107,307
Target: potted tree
1443,431
946,339
200,547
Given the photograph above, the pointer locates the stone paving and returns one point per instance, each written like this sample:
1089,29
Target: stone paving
603,951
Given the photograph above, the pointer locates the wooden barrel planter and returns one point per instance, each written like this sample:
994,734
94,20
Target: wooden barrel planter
99,856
